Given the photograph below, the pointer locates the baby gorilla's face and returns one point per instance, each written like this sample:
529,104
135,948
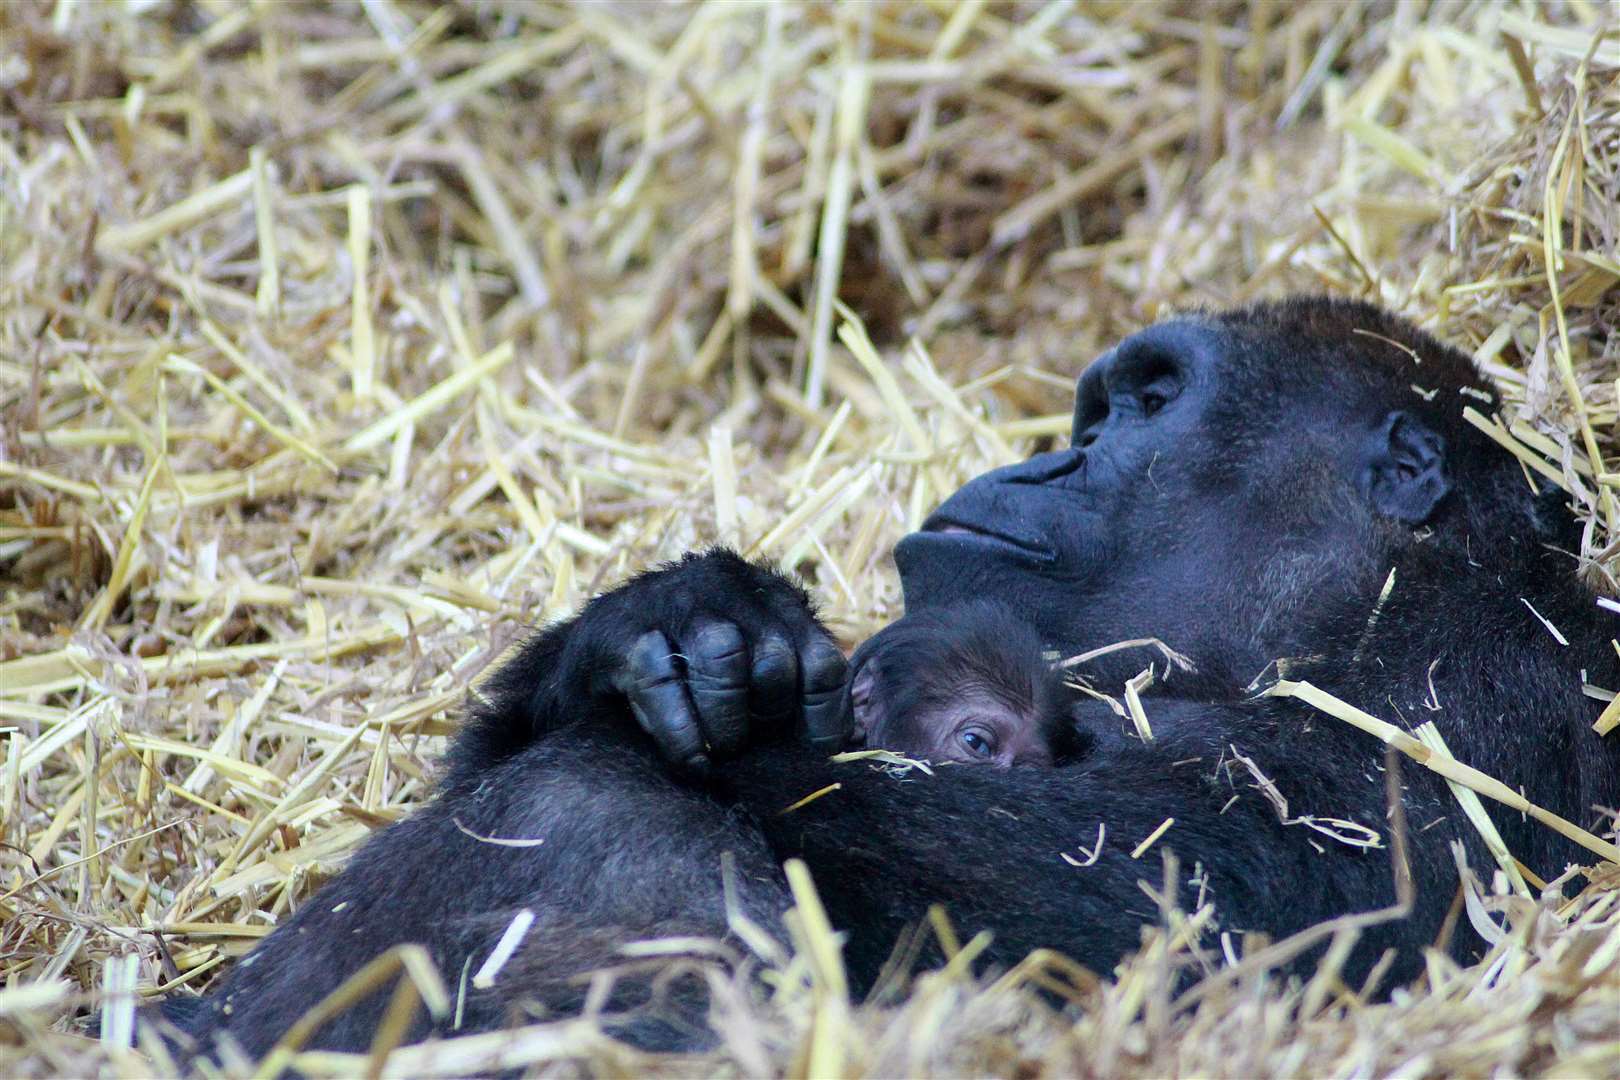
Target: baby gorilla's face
974,724
966,683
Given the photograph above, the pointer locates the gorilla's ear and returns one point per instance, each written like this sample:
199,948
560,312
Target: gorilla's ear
858,704
1403,469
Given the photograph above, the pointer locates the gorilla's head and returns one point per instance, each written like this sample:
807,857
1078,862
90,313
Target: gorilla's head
1270,464
966,683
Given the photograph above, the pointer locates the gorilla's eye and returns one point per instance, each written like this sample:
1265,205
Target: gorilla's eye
1155,393
977,740
1149,379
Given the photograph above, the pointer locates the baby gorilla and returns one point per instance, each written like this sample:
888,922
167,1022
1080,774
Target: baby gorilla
963,683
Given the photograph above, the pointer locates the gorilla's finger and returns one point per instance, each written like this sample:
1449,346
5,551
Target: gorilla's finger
651,680
774,678
717,671
826,720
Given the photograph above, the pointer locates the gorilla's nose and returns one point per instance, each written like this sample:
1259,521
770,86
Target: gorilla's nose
1143,374
1048,468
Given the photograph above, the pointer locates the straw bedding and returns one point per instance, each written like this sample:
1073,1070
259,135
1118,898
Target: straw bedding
339,344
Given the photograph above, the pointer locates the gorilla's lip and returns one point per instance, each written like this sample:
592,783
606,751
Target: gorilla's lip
943,526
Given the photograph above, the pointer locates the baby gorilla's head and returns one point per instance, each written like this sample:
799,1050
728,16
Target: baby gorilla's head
962,683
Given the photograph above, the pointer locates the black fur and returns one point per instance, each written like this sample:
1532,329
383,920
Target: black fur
1237,488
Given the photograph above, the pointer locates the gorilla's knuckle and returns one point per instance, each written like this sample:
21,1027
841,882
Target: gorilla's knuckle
824,665
650,652
773,662
645,681
717,643
821,695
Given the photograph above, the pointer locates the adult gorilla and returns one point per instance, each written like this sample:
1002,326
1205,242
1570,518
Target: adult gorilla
1240,486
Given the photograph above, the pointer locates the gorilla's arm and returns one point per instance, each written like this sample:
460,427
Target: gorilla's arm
554,799
988,844
586,832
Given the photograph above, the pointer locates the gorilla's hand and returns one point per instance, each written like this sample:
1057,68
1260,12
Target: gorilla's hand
713,650
704,655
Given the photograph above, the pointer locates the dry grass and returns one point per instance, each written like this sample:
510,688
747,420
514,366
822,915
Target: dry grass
339,344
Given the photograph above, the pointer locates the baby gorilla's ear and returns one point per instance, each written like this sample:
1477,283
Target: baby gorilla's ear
1403,472
1068,741
859,702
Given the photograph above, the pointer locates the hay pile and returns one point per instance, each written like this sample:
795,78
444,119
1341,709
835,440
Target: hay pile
339,344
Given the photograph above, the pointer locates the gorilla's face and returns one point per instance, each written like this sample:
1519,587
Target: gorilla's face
1224,475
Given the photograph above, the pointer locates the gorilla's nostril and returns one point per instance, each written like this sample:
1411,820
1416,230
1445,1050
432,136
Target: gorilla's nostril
1048,467
1090,404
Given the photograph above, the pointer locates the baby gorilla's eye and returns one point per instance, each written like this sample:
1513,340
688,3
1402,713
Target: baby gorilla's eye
978,741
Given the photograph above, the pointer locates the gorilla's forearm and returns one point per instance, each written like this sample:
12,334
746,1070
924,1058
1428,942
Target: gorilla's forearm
988,845
555,799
